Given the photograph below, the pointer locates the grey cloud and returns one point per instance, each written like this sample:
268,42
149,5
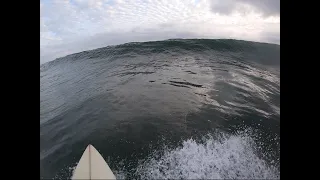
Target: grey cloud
266,7
270,37
223,7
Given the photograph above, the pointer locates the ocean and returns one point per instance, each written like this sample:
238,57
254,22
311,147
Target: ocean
173,109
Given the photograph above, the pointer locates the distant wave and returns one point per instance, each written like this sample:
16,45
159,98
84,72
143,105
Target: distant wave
263,51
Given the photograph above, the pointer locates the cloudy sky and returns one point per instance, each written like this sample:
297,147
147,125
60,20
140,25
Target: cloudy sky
69,26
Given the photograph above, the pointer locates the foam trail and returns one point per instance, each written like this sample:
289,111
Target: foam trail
231,157
218,156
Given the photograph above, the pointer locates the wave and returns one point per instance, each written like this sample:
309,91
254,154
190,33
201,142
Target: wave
267,53
190,86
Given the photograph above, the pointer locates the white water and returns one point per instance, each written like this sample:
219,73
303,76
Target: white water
230,157
220,157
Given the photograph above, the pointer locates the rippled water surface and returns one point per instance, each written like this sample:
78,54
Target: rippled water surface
166,109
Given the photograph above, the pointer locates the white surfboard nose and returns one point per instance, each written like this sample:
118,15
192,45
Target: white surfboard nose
92,166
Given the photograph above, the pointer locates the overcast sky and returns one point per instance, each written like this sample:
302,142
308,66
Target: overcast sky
70,26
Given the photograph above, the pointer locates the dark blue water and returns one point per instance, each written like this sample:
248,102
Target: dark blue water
167,109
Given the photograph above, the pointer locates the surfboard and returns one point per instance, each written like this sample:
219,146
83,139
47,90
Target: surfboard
92,166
